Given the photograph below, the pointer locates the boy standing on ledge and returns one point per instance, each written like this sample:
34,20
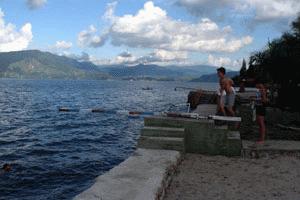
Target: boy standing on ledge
226,94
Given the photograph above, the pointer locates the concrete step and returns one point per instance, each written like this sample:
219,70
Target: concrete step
234,144
167,143
162,132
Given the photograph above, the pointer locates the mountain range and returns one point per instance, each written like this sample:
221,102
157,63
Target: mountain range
158,72
214,77
35,64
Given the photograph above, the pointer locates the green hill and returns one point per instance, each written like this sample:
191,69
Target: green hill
34,64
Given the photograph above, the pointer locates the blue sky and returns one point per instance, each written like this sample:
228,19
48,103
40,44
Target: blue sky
180,32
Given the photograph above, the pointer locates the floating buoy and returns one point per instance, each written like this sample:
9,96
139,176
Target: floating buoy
98,110
63,109
134,113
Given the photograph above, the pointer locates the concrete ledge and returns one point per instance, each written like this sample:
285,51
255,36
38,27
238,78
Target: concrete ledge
270,147
144,175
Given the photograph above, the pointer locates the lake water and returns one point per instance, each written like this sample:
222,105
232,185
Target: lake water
56,155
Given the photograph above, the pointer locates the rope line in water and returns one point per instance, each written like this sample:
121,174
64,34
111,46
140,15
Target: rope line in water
147,113
119,112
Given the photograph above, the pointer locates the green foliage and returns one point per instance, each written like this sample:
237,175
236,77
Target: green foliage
279,64
296,26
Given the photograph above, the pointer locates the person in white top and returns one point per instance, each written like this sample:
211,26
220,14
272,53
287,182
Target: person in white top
220,92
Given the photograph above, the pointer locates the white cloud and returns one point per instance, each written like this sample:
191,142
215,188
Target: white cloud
160,57
221,61
163,57
11,39
170,55
63,45
258,10
150,27
109,13
83,57
225,62
89,38
124,58
157,56
34,4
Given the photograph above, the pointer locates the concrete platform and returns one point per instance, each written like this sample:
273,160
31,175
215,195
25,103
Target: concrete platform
144,175
270,147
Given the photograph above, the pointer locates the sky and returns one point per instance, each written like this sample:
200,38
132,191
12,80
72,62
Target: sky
163,32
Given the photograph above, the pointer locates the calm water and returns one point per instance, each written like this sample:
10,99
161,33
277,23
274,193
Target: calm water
57,155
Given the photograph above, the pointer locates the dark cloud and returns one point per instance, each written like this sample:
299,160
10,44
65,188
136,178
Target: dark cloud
246,12
125,54
83,57
35,4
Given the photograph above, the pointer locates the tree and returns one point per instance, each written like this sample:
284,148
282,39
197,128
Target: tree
243,70
278,63
296,26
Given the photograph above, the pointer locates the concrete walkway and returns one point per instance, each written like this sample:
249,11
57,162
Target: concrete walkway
144,175
235,178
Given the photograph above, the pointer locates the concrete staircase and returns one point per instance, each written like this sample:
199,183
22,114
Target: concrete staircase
189,135
167,138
